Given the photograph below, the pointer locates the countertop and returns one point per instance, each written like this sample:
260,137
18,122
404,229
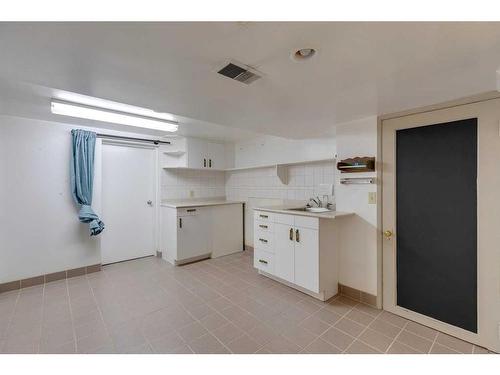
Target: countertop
285,209
183,203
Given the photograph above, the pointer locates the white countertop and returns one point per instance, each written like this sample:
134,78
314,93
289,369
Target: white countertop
286,209
183,203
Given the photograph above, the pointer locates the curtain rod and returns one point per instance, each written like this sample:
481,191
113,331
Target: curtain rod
156,142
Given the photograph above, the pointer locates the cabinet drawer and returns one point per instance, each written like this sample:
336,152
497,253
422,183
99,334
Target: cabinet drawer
263,216
307,222
263,226
263,261
188,211
264,241
284,219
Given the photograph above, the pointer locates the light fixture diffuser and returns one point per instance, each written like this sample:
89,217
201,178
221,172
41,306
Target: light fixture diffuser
116,117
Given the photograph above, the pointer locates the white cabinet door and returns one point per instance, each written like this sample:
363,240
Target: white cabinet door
193,237
307,258
196,151
227,229
284,252
215,154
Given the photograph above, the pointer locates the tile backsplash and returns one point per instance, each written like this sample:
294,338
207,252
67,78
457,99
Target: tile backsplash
303,182
177,184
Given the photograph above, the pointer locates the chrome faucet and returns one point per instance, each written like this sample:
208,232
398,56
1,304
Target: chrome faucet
317,201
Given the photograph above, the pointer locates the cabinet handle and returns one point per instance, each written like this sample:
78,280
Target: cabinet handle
180,222
264,216
297,238
262,261
262,240
210,163
263,226
191,210
204,162
291,234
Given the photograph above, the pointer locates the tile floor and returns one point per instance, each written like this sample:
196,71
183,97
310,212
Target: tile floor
214,306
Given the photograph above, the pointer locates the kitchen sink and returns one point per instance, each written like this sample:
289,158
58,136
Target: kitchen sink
310,209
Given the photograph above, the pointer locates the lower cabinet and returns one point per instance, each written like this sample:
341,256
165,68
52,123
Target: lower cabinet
194,233
289,248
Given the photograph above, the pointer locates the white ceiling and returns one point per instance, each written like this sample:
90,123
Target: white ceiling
361,69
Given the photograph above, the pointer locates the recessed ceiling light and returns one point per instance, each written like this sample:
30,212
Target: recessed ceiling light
303,54
107,115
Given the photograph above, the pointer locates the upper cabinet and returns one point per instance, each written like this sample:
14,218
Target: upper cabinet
193,153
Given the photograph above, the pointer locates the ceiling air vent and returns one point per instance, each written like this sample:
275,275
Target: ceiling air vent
240,72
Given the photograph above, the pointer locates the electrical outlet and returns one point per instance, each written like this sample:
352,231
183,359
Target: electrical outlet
372,197
191,193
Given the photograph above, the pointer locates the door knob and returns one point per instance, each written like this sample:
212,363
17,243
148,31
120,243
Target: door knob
150,203
388,234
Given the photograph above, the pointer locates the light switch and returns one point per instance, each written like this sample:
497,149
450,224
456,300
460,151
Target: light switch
191,193
372,197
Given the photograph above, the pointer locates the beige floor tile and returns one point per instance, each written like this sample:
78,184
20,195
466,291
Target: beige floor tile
385,328
300,336
393,319
227,333
315,325
281,345
213,321
440,349
376,340
338,338
368,309
327,316
320,346
359,347
338,307
192,332
208,344
421,330
243,345
168,343
399,348
349,326
262,333
360,317
454,343
416,342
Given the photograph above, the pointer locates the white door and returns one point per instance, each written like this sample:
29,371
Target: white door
128,202
307,258
193,235
284,263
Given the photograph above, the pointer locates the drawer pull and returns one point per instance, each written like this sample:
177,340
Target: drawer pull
297,238
191,210
263,226
262,261
264,216
262,240
291,234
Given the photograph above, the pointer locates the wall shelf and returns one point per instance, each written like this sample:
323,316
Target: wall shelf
280,164
194,169
357,164
175,153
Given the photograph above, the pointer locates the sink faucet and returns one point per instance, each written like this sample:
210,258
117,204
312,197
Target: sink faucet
317,201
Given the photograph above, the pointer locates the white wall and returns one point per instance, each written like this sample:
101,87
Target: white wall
39,228
358,254
177,184
261,187
269,149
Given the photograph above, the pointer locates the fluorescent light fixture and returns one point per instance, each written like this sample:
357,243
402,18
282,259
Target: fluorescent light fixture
116,117
92,101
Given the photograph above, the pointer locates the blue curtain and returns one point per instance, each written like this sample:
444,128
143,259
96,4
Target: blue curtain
82,178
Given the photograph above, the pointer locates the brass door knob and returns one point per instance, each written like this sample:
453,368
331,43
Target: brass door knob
388,234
